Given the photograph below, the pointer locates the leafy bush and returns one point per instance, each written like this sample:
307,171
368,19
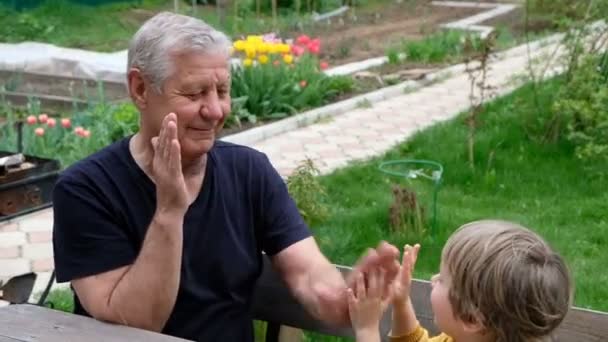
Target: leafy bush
583,104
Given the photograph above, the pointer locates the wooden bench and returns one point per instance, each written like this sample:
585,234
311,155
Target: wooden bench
274,304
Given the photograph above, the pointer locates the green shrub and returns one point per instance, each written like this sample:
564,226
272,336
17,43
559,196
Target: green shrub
583,104
308,193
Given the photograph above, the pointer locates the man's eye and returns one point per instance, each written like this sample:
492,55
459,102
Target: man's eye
193,96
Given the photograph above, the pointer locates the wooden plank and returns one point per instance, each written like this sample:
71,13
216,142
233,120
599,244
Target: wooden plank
34,323
584,325
8,339
273,302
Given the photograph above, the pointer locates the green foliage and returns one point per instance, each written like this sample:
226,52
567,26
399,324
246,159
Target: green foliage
277,91
583,104
568,10
61,299
308,193
105,123
437,47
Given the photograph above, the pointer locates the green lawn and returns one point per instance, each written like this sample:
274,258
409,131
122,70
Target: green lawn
538,185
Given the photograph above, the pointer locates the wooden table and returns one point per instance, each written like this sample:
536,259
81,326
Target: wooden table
33,324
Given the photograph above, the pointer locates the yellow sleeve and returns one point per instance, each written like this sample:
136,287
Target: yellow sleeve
420,335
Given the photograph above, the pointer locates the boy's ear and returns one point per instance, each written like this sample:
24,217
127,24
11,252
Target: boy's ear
474,325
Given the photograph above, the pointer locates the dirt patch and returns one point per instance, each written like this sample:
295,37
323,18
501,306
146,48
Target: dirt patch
515,21
347,39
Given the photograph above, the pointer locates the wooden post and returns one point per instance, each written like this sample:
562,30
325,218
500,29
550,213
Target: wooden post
221,15
235,17
176,6
298,9
274,14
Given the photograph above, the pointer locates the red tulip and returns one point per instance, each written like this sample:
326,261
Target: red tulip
86,133
323,65
43,118
39,131
297,50
31,120
303,83
51,122
303,39
314,49
78,131
66,123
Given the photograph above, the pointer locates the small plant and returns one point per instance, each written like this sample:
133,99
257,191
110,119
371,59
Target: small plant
477,67
308,193
364,104
436,48
406,214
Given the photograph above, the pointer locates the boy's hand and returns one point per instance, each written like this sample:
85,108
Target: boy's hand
401,285
367,304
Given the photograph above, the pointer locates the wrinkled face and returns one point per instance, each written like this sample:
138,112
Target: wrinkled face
198,92
440,302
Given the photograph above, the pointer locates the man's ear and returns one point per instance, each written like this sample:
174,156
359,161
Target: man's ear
138,88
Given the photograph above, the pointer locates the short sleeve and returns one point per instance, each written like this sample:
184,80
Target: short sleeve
282,224
87,239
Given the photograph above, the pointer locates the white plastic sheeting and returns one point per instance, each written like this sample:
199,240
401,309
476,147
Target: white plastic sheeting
49,59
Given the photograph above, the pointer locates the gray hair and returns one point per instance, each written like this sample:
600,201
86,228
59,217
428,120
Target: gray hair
151,47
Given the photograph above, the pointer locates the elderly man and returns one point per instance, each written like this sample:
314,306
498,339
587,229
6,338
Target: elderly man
165,230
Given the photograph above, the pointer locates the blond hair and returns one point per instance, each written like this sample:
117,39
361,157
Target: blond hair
508,279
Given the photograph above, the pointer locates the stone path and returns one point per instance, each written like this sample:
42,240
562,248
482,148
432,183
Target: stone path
25,243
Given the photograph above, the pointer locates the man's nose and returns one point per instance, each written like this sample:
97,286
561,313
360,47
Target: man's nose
211,108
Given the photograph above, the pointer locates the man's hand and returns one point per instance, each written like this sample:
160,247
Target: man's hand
171,192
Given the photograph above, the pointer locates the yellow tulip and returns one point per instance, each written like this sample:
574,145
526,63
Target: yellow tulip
250,51
288,59
247,62
239,45
284,48
263,59
263,48
273,49
254,39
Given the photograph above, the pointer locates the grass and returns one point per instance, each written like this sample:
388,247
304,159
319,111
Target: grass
448,46
540,186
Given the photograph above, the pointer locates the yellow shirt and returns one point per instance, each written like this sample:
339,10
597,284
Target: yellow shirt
421,335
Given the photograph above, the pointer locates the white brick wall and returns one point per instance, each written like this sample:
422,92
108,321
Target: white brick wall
11,239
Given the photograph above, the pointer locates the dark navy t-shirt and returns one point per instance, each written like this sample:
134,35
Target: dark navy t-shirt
104,204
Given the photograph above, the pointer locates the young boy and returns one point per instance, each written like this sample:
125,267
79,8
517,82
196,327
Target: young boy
498,282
